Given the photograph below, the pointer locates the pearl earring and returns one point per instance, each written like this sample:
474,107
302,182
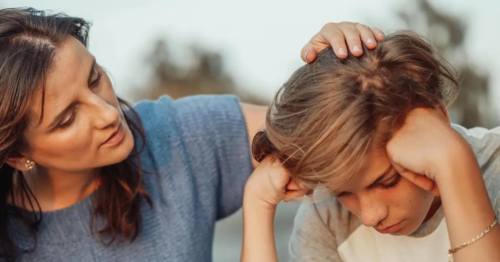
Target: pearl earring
29,164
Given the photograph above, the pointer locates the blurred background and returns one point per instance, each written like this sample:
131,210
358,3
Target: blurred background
249,48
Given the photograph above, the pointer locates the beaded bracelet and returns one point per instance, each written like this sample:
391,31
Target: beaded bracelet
476,238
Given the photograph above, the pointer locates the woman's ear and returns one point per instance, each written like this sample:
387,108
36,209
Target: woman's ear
20,163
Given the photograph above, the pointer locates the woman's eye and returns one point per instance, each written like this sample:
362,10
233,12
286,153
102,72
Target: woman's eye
68,122
96,81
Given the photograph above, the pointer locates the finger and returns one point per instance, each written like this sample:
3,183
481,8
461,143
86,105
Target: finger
379,35
400,169
308,53
331,34
291,186
367,36
296,193
353,39
419,180
435,190
291,195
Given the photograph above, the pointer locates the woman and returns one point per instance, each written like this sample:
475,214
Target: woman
85,177
374,131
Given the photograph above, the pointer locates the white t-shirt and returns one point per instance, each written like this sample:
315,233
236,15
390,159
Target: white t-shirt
327,231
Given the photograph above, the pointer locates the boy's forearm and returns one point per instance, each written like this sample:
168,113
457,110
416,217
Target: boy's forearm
468,212
258,233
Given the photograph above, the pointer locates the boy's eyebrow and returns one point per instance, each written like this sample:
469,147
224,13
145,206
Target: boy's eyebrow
377,181
380,177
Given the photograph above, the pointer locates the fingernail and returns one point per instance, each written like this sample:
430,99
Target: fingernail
305,55
380,34
370,41
356,48
342,51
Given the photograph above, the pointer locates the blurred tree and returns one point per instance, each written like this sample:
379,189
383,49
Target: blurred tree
448,34
204,75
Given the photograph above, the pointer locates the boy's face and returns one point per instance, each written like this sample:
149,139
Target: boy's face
386,201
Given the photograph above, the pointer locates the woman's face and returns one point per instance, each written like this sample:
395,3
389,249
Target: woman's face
83,126
382,199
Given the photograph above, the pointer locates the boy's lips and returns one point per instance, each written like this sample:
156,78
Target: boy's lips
390,229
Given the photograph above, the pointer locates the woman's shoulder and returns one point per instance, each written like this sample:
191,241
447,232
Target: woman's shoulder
154,112
187,114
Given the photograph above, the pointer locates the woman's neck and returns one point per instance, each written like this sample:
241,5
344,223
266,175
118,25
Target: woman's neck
56,190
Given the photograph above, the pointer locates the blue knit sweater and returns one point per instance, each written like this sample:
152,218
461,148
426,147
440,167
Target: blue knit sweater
199,148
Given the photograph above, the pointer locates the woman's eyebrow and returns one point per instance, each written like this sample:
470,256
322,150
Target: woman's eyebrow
91,71
61,115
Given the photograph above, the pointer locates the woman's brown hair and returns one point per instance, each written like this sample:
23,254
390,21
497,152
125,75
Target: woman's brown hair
331,113
28,41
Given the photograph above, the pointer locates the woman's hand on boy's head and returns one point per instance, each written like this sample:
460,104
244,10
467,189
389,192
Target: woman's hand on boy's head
426,146
337,35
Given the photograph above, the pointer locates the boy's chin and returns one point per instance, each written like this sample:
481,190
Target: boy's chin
407,230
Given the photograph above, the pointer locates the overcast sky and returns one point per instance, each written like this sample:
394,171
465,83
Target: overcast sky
261,40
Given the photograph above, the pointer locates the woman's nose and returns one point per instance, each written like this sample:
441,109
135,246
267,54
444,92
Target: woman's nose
106,115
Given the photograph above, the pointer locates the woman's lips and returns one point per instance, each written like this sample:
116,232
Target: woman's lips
116,137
